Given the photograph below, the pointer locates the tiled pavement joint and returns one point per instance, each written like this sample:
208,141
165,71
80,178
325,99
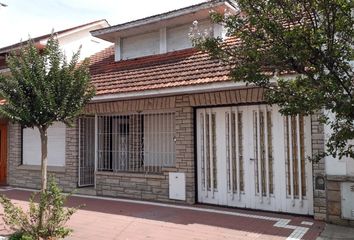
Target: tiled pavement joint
297,234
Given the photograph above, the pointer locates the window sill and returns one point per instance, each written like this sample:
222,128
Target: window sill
54,169
132,174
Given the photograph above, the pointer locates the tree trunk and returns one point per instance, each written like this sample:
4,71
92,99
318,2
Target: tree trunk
44,163
44,158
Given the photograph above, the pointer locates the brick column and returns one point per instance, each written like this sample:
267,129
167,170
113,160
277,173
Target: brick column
14,154
319,196
185,144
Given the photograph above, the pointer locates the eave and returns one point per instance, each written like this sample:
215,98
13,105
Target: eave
172,18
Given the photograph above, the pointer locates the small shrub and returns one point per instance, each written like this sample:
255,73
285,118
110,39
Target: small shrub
20,236
55,215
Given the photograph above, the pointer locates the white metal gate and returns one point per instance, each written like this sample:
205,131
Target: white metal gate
253,157
86,151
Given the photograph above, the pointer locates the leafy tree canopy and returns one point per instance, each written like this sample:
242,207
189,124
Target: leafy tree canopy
44,86
310,40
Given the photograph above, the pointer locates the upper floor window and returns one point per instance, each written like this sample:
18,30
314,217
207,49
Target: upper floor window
166,39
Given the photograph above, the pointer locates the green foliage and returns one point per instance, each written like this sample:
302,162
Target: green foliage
20,236
44,86
310,41
26,224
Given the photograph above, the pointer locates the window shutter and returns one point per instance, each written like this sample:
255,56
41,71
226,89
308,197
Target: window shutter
56,145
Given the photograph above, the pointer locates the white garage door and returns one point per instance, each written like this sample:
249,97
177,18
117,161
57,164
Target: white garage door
253,157
56,145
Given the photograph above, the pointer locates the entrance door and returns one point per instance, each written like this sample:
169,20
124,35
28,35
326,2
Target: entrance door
3,154
252,157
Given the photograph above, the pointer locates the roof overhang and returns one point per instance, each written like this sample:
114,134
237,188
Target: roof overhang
172,18
5,51
40,42
98,25
212,87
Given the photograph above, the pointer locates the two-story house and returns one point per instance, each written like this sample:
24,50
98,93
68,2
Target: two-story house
167,124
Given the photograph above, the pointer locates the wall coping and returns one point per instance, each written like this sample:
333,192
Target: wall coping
340,178
38,168
131,174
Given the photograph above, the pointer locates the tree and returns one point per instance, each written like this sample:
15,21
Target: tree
43,88
312,40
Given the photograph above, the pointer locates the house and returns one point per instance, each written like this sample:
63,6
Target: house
167,124
70,40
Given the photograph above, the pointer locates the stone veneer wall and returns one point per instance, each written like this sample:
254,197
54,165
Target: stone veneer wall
29,176
133,185
334,197
155,187
327,202
151,186
130,185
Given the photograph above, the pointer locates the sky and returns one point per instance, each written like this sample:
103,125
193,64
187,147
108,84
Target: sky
23,18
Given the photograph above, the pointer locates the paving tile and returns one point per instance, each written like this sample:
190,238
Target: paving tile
111,219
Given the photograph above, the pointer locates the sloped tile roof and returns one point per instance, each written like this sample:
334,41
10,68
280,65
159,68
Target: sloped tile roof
175,69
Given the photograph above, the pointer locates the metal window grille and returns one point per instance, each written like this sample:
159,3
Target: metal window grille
142,142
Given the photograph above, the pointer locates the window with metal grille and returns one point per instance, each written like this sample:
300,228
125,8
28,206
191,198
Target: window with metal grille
136,142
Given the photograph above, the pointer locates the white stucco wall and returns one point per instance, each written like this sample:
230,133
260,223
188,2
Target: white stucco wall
336,166
90,45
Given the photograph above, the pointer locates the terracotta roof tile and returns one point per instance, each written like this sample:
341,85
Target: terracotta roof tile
175,69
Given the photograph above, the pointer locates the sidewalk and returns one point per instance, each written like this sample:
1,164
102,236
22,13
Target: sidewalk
123,219
335,232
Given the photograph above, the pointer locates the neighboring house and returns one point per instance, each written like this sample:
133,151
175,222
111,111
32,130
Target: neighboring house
70,40
168,125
